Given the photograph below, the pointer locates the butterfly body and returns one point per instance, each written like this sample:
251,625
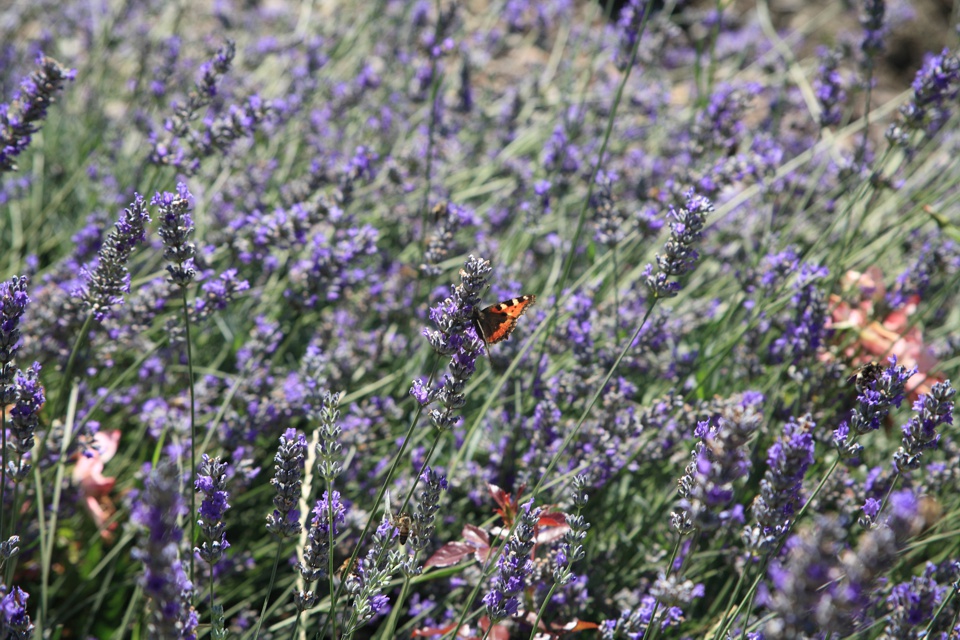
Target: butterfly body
496,322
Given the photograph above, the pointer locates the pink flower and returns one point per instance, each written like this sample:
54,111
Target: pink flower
95,488
879,339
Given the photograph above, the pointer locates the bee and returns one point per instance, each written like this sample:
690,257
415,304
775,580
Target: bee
351,581
404,524
865,375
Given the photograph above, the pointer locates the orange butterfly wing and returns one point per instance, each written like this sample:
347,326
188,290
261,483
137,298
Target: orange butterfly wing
497,321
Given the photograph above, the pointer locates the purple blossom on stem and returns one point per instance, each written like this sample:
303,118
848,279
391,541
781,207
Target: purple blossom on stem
828,86
914,603
805,324
787,461
455,337
373,574
874,402
316,555
609,219
176,227
920,433
571,549
24,419
450,217
679,256
13,303
719,459
631,19
212,483
104,287
514,566
14,619
424,518
21,118
935,89
871,19
287,479
164,580
634,623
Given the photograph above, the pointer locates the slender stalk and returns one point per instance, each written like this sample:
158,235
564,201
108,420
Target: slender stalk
376,504
266,598
193,430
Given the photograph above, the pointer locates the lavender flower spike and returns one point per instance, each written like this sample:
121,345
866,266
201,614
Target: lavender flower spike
285,519
316,555
679,256
164,581
14,619
176,227
513,567
788,460
105,285
212,482
24,419
13,303
20,119
873,404
934,409
453,318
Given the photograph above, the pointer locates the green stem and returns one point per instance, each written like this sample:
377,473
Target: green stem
193,431
266,598
376,504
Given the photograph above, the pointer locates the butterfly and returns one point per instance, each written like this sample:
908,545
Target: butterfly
496,322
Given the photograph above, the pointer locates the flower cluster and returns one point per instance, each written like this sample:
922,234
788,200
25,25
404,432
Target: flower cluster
13,303
164,580
780,489
719,459
176,227
328,513
679,256
514,566
212,483
287,479
20,119
105,285
874,402
920,433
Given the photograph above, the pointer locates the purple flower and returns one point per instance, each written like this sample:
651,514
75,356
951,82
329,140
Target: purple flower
176,227
20,119
288,466
15,622
212,483
719,459
571,549
514,567
450,217
164,580
805,322
632,17
935,90
920,433
609,219
780,489
373,574
828,86
24,418
104,287
427,506
453,318
871,19
328,512
13,303
679,255
874,402
914,603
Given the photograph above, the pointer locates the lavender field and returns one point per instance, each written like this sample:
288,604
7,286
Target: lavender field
495,319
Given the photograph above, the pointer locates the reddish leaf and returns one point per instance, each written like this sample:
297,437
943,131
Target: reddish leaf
475,536
428,632
551,534
553,519
450,554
